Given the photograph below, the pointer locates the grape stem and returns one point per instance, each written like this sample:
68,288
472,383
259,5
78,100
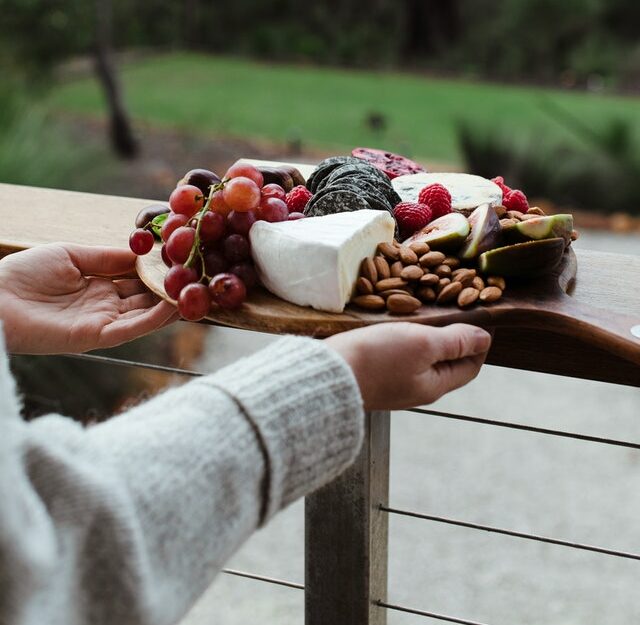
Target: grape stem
195,248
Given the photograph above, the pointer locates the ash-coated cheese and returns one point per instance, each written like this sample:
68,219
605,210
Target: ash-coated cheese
315,261
467,190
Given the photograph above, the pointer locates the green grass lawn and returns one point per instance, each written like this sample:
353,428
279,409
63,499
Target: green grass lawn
327,108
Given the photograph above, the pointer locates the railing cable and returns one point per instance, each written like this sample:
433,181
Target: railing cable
263,578
434,615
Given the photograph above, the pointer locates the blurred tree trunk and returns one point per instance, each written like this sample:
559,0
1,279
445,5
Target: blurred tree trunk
192,23
430,26
122,138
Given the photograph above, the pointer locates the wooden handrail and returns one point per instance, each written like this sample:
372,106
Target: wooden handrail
31,216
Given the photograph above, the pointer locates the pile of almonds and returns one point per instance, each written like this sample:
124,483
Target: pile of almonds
508,218
401,278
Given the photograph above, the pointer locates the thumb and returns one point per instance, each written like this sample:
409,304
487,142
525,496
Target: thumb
101,261
457,341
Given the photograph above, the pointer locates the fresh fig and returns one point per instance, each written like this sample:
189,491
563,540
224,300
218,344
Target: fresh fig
146,215
296,175
538,228
446,234
391,164
485,232
201,178
277,175
523,260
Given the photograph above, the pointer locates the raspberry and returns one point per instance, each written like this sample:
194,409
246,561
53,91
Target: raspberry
411,216
516,200
297,199
437,198
499,180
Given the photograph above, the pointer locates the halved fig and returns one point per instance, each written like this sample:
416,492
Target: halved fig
538,228
485,232
391,164
446,234
523,260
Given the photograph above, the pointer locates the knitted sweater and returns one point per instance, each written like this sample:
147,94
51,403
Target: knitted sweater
127,522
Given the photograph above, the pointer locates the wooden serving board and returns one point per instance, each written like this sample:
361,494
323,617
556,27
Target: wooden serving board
544,303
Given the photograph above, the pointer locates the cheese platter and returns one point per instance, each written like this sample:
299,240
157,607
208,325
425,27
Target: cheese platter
316,251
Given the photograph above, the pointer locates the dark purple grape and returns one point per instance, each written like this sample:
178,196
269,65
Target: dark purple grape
236,248
214,262
227,290
201,178
247,273
141,241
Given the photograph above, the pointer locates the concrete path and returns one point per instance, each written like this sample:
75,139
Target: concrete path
577,491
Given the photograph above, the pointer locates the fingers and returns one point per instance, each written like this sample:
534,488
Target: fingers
456,341
130,286
137,323
449,375
101,261
138,301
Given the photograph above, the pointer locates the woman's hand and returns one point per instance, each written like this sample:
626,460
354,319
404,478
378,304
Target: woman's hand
401,365
63,298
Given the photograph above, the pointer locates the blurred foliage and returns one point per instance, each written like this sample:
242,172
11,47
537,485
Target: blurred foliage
600,172
540,40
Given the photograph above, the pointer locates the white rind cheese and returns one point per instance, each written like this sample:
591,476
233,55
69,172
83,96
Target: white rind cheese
467,190
315,261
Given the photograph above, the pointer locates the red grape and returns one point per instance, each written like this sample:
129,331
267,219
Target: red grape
227,290
272,209
295,216
214,262
194,301
245,170
165,258
241,194
177,278
218,204
172,222
241,223
273,190
212,226
180,243
186,200
247,273
141,241
236,248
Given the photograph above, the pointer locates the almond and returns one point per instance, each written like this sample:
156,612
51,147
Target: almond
382,267
526,216
412,272
408,256
497,281
465,277
490,294
574,235
456,272
388,292
500,211
426,294
443,271
477,283
368,270
535,210
432,259
517,215
363,286
442,283
507,222
390,283
396,269
467,296
419,247
449,293
451,261
370,302
429,279
403,304
392,252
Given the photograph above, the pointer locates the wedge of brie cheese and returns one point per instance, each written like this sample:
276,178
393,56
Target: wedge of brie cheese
467,190
315,261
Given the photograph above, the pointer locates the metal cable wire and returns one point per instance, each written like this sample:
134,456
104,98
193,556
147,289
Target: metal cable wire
497,530
434,615
528,428
263,578
131,363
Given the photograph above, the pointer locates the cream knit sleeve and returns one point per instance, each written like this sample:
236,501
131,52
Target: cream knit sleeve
128,521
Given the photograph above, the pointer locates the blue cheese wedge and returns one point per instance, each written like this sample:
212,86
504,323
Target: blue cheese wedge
467,190
315,261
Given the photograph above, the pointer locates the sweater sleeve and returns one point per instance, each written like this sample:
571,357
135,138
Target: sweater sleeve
128,521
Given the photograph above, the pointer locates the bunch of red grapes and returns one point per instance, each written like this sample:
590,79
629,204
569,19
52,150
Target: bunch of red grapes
205,235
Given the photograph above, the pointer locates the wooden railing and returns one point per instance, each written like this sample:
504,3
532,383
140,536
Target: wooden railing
346,522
